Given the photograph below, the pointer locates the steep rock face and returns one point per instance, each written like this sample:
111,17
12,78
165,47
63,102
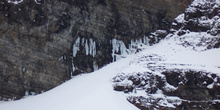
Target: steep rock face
44,42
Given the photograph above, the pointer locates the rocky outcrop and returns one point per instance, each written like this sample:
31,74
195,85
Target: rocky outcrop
184,89
197,88
44,42
170,78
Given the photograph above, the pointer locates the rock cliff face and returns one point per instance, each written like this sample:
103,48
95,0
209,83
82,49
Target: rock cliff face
45,42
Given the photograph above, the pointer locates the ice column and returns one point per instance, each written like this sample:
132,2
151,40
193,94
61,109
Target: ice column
76,46
118,49
92,47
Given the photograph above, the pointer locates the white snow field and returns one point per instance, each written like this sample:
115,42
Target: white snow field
92,91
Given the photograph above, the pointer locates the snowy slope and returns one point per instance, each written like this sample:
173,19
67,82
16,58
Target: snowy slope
84,92
182,71
137,76
140,80
94,91
172,51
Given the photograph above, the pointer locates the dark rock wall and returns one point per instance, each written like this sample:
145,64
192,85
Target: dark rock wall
37,40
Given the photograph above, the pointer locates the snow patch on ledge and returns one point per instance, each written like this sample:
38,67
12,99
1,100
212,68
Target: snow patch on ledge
20,1
15,1
38,2
180,18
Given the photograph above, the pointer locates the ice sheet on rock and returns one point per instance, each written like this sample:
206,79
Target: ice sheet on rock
119,49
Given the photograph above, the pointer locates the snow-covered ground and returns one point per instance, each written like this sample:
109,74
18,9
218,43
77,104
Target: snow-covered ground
92,91
170,54
173,50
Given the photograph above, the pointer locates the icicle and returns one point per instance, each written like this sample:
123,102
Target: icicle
140,41
23,69
87,48
95,66
90,46
146,40
76,46
123,48
114,48
94,49
73,68
118,47
83,41
61,58
26,93
132,45
64,57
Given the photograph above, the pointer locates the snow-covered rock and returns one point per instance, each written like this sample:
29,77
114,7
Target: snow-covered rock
182,70
14,1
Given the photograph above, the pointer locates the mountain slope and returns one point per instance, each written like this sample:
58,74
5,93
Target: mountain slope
84,92
171,76
182,71
48,41
94,91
